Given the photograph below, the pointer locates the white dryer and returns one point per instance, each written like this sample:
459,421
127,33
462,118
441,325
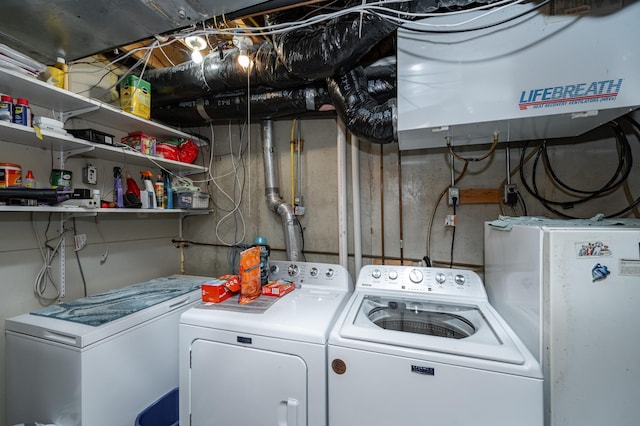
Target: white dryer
421,345
264,363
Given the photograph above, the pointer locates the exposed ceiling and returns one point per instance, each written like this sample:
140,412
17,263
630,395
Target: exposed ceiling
76,29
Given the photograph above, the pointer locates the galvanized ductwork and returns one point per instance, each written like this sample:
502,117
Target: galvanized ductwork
272,192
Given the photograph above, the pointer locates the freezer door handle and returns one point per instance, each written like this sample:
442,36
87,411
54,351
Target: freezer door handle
178,304
288,412
56,336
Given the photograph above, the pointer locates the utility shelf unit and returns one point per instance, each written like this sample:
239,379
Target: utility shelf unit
63,105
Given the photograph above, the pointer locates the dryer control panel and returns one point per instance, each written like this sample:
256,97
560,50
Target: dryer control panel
444,281
325,275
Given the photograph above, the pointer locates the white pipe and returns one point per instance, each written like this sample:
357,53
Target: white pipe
355,191
342,194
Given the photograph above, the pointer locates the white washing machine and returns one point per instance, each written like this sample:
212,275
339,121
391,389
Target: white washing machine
264,363
421,345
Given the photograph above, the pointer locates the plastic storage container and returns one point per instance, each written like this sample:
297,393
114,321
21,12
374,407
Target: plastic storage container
163,412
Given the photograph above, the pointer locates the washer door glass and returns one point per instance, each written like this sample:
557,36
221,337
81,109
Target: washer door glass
422,317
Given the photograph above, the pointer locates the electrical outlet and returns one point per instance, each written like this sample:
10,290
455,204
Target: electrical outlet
90,175
454,196
510,194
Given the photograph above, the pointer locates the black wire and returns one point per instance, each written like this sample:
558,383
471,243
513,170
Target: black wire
625,163
453,234
623,154
304,257
84,281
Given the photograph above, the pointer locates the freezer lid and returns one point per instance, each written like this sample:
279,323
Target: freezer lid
88,320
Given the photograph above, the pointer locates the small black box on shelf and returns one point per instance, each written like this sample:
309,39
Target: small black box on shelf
92,135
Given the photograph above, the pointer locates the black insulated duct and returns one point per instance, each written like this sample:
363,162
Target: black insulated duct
361,113
268,103
299,62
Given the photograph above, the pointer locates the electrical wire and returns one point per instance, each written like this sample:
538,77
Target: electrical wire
618,178
491,150
48,253
435,208
84,281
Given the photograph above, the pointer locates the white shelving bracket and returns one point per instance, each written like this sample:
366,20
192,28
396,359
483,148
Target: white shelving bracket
64,116
77,151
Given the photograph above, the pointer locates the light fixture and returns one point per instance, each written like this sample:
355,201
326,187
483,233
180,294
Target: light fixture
243,59
196,44
196,57
242,43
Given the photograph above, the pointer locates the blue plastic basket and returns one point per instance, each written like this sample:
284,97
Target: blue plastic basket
163,412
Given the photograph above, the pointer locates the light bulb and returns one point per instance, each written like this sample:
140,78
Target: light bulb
196,57
243,60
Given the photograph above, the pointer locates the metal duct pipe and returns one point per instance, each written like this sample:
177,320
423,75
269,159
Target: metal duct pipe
272,192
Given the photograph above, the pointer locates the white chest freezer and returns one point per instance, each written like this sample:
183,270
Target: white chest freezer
99,360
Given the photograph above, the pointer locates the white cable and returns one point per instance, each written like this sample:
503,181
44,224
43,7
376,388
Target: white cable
236,204
43,278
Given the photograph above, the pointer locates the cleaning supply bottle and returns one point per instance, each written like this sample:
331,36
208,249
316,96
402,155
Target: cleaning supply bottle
265,251
168,190
132,187
118,192
148,197
159,187
61,64
29,180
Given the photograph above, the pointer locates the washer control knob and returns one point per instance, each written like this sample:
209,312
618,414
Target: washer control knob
376,273
415,276
440,278
313,272
459,279
330,273
274,269
293,270
393,275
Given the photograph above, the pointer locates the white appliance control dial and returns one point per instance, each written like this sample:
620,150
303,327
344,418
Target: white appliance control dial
440,277
330,272
376,273
293,270
393,275
459,279
313,271
415,276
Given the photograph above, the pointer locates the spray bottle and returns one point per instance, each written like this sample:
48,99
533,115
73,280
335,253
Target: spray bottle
118,192
148,197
